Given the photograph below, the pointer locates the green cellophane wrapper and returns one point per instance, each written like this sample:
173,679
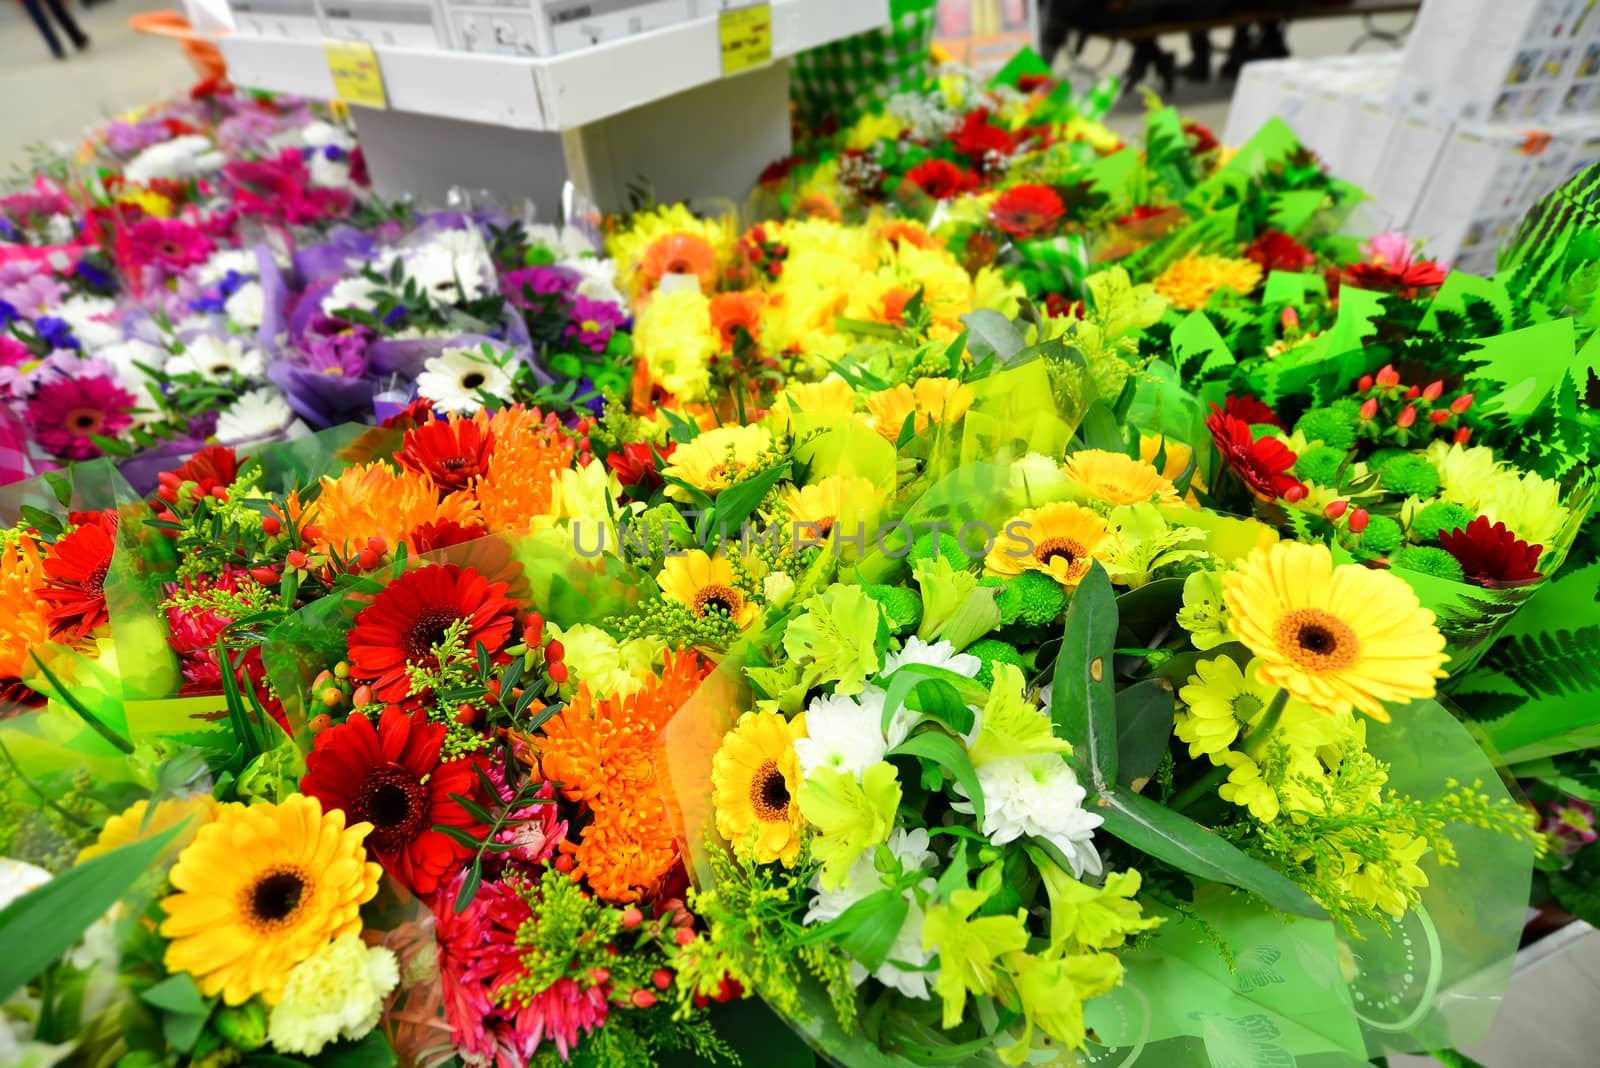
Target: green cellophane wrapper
844,78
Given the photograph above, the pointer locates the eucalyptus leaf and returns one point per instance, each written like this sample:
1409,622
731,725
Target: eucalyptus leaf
1144,729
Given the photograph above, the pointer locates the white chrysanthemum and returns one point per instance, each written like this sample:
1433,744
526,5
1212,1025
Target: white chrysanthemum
357,291
909,849
567,242
216,358
453,379
451,267
338,993
321,134
776,589
933,654
1038,796
597,279
93,320
1464,470
1036,471
182,157
128,358
253,415
247,306
841,734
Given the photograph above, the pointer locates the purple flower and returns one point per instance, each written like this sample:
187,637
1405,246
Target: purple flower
23,287
325,383
525,285
216,299
56,332
126,138
1570,822
8,313
593,323
8,229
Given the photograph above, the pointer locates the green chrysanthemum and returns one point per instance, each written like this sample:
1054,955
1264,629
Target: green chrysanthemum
1319,465
1439,517
1409,476
1383,535
901,605
1427,560
940,544
1331,426
1032,599
993,651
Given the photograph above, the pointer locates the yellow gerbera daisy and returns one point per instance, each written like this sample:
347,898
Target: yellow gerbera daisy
1059,539
1177,461
930,400
1221,703
754,778
262,888
815,510
1190,282
831,396
717,459
130,825
704,583
1337,638
1118,479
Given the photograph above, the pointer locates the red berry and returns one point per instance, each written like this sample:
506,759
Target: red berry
1463,435
642,999
1461,403
296,558
362,696
368,560
558,672
466,714
1365,383
310,532
1358,520
270,526
1407,417
378,545
1433,391
682,935
555,650
632,917
264,575
662,978
1438,415
1296,492
1369,407
319,723
1336,509
563,862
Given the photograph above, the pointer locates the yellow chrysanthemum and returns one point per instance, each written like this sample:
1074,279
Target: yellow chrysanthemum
1220,703
23,625
945,285
705,583
1118,479
1335,637
717,459
817,508
373,500
262,888
130,825
675,339
930,400
1061,540
1190,282
1246,788
754,778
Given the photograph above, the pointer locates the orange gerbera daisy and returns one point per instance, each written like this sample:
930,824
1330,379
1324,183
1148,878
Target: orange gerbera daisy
679,254
729,311
23,625
373,500
530,450
600,751
911,233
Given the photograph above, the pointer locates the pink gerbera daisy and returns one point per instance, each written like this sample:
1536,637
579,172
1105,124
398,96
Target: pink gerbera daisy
170,243
63,414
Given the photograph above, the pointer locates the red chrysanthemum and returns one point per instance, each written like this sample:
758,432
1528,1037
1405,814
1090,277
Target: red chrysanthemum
1027,210
1251,410
404,623
1263,464
75,568
63,414
451,452
976,136
1275,250
213,467
390,776
941,179
1491,553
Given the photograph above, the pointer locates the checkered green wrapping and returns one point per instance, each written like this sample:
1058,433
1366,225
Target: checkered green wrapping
1062,261
845,78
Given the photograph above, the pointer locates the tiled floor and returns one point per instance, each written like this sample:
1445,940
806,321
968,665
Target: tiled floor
48,100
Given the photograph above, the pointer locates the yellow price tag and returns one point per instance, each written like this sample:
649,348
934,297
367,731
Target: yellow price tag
746,34
357,78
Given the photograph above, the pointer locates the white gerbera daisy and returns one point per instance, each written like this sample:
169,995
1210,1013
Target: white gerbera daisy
217,359
357,291
247,306
221,262
253,415
451,267
454,379
1037,795
182,157
841,734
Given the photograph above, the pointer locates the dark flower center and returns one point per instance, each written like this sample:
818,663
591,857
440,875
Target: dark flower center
454,463
1317,641
730,600
396,803
272,901
426,632
680,266
95,583
769,794
1053,549
85,421
472,380
170,249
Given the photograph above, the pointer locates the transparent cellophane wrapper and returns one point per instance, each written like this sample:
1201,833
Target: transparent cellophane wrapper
1234,982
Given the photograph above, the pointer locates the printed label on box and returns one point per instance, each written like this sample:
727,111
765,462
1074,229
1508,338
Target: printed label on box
357,78
746,34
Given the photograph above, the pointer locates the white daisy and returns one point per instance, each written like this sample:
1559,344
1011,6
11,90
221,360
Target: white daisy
567,242
598,279
126,359
93,319
841,734
247,306
1037,795
451,267
453,379
357,291
216,358
253,415
933,654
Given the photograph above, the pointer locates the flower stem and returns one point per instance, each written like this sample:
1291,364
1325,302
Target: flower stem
1215,777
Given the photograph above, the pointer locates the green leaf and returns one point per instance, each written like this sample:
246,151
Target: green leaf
902,681
1183,843
1144,728
81,711
735,503
950,755
176,994
370,1052
44,923
45,523
942,701
867,929
469,886
1084,700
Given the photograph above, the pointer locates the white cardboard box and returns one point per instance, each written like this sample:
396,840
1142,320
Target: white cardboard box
407,23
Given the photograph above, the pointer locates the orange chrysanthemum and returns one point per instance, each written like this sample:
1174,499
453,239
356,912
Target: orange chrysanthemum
23,626
600,751
373,500
679,254
530,449
1189,283
911,233
729,311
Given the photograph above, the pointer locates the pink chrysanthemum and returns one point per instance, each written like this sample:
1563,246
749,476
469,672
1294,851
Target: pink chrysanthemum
478,958
63,415
170,243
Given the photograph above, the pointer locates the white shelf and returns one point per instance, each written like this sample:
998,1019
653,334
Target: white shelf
548,93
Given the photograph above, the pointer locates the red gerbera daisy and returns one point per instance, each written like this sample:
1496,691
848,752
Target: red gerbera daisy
76,567
1251,410
441,534
390,776
1491,553
941,179
452,452
976,137
1275,250
1027,210
409,416
635,467
1404,281
1262,464
213,467
404,623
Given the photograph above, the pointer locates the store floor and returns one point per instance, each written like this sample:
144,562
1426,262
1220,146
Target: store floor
48,100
